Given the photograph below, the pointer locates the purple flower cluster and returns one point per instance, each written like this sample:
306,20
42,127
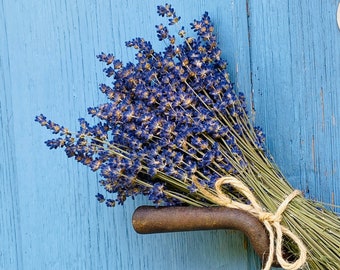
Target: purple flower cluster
170,116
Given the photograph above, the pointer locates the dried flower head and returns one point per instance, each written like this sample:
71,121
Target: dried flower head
170,115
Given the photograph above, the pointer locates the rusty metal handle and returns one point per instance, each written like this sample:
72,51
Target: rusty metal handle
149,219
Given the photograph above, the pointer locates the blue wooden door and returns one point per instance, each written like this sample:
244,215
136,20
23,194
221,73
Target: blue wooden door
285,55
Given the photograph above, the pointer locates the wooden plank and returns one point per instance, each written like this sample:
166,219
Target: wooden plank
295,59
10,233
52,69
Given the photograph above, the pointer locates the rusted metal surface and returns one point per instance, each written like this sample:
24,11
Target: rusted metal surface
149,219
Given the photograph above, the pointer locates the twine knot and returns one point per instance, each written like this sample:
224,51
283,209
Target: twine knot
277,216
271,221
271,218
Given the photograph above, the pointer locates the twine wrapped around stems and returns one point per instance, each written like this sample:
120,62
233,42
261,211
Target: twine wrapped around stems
271,221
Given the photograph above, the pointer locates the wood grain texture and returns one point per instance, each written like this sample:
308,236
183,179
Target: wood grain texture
295,62
284,55
10,233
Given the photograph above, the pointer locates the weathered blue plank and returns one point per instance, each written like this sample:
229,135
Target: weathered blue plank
295,59
10,233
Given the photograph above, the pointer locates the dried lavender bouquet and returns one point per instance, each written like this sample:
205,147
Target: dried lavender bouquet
176,131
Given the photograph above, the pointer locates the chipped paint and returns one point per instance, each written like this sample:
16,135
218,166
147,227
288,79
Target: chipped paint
322,108
333,120
313,154
338,16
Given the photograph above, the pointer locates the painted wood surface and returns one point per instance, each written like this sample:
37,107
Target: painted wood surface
285,55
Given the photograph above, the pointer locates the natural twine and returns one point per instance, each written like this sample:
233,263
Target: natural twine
271,221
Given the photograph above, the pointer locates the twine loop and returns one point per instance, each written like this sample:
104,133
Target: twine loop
271,221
